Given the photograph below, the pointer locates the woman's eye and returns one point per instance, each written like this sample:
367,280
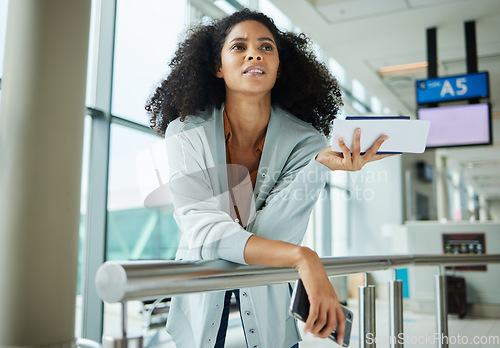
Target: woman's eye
267,48
238,47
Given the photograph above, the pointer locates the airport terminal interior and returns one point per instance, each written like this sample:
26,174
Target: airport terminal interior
79,163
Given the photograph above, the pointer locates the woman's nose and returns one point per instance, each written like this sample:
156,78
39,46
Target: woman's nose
250,57
253,55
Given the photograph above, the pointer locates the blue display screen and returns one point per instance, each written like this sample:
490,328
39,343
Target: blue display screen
458,87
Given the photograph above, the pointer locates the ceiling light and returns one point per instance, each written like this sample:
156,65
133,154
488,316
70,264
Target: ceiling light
402,69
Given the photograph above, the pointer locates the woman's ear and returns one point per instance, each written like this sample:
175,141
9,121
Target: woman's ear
218,70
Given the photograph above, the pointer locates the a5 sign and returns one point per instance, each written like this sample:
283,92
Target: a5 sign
441,89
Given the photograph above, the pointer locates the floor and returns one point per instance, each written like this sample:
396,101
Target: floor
419,330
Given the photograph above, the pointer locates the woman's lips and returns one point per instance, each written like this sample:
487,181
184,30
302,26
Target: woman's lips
254,70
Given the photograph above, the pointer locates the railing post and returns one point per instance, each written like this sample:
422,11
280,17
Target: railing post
396,313
124,341
441,310
121,342
367,334
124,319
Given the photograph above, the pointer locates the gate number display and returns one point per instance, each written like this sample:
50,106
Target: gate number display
458,87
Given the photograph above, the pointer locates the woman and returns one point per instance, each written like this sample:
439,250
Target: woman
245,105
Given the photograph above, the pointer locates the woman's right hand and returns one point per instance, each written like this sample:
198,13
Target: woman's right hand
352,160
325,312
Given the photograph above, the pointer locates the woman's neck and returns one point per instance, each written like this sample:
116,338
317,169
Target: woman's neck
248,118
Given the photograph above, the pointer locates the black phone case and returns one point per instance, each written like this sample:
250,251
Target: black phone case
299,308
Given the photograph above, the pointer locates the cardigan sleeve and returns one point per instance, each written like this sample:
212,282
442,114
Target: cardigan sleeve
207,230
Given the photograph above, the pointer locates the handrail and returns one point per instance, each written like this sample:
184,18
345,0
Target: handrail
142,280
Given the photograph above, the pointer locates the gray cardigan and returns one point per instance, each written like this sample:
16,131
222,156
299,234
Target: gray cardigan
288,185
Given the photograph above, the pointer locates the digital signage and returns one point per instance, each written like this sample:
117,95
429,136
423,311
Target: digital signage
468,124
442,89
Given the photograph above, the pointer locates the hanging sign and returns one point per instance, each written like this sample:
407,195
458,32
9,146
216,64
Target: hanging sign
441,89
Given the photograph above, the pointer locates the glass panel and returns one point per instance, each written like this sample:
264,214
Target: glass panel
92,58
84,193
83,219
146,37
137,174
3,29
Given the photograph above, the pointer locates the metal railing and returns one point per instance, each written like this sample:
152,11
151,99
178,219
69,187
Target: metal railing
119,282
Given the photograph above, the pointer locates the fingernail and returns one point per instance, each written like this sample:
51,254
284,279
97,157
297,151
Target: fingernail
358,130
386,137
341,139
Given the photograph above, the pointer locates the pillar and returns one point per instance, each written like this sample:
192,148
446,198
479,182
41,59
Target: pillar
41,135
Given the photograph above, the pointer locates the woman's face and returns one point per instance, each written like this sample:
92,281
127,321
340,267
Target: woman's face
249,59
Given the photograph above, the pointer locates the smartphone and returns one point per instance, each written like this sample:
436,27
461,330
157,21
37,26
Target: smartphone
299,308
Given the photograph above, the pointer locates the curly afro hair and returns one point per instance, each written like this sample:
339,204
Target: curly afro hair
305,86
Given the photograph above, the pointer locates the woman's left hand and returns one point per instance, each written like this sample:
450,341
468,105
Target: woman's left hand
351,160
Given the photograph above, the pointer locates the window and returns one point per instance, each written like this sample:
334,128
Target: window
337,70
145,40
376,105
144,36
358,90
3,29
281,21
82,230
133,231
90,93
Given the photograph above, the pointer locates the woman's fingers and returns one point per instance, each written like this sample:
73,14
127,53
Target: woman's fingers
320,322
379,157
331,323
311,318
352,160
325,320
341,322
372,151
356,144
345,150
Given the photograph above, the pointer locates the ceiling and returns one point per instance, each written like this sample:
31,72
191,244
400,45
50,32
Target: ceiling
366,35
